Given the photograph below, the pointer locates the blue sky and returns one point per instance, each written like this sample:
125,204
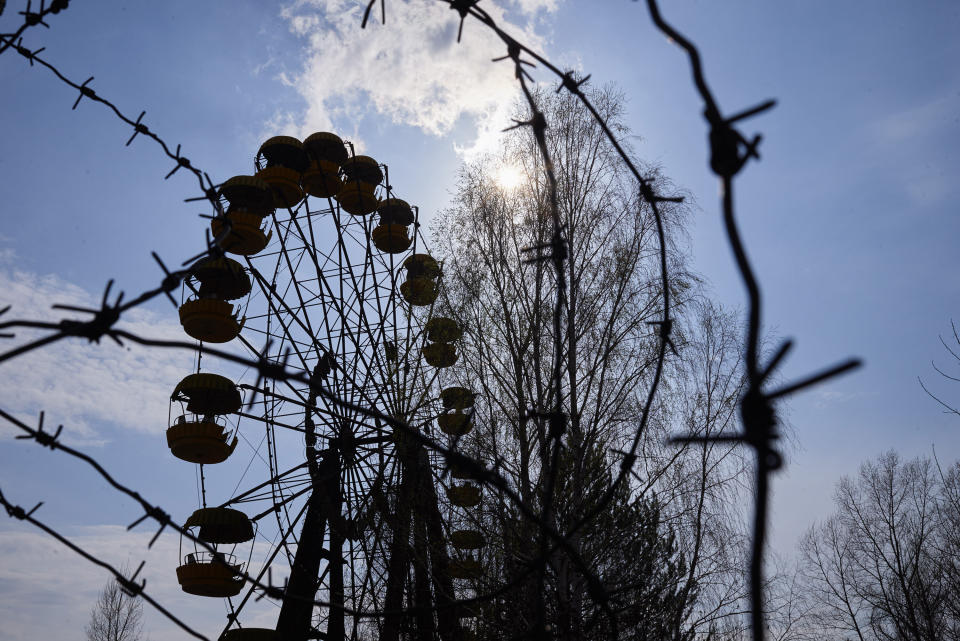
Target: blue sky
850,217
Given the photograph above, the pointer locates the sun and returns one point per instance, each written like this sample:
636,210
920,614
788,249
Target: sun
508,176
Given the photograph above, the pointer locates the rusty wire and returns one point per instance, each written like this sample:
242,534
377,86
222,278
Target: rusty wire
729,151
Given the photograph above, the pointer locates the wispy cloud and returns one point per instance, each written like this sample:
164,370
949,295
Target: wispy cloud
47,590
908,144
410,70
923,119
81,385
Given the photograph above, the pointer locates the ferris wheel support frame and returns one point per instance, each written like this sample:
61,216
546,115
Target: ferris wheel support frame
366,510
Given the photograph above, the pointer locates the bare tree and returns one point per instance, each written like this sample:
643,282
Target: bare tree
702,487
953,348
948,550
505,303
116,616
884,566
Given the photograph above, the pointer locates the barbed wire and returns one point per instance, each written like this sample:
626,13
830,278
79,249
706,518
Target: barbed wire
31,19
129,586
730,151
272,371
558,255
14,41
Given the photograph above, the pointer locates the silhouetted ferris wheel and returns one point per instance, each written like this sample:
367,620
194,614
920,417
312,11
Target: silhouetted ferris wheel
334,280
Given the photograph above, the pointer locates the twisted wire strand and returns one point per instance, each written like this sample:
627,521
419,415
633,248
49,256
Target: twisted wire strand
31,19
730,151
10,41
129,586
154,512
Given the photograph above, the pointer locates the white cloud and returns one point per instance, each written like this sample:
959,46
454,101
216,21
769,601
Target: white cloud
85,386
532,7
410,70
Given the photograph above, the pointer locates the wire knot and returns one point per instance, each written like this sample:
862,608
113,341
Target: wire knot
182,161
26,53
85,91
33,18
729,150
158,515
138,128
170,282
571,84
18,512
759,426
48,440
273,592
271,370
43,438
513,52
463,8
131,588
646,191
101,323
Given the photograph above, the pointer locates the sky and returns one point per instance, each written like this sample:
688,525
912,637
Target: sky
849,217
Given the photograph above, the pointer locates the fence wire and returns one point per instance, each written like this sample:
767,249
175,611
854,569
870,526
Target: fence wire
729,153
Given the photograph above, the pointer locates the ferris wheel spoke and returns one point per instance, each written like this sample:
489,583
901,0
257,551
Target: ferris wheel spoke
238,498
270,293
340,303
308,487
286,328
368,549
357,289
381,330
262,419
333,410
296,285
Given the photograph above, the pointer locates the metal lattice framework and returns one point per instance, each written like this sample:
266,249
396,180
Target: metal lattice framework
348,505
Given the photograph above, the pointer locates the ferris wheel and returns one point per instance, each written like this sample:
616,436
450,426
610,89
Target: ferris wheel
329,275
